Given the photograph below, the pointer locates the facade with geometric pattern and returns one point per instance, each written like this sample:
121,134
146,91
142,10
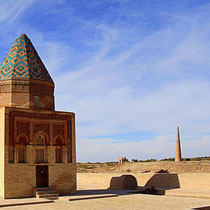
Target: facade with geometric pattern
37,143
24,80
23,62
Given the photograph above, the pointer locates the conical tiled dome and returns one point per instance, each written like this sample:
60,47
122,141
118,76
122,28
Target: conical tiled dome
23,62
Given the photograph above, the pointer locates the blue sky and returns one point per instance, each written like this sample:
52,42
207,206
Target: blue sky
131,70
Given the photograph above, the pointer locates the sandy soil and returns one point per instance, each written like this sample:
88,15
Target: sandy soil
145,167
131,201
171,201
147,202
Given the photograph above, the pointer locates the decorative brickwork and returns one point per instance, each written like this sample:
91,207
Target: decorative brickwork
41,127
23,78
23,128
33,135
11,129
8,88
58,130
29,115
41,88
23,62
26,87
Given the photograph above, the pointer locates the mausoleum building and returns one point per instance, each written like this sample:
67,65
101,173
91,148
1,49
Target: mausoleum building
37,143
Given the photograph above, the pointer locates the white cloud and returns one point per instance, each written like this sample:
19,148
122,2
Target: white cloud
9,10
161,147
128,76
154,85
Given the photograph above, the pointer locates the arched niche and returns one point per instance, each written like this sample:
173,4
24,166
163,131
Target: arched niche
22,139
20,148
41,139
41,142
59,142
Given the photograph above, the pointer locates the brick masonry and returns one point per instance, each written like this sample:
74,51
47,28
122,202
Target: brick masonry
32,133
62,176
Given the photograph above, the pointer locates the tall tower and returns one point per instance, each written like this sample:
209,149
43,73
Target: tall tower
178,156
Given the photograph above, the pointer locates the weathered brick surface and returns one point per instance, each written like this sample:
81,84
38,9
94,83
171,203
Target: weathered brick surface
19,179
27,114
2,154
22,94
62,178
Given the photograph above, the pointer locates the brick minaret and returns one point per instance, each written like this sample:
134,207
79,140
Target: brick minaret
178,156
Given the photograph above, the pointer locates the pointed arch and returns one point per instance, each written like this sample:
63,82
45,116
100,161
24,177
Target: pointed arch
59,142
41,139
41,142
22,139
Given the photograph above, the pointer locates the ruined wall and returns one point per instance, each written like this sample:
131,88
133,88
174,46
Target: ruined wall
199,181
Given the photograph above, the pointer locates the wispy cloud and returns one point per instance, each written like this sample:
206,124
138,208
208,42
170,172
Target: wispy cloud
125,68
153,84
10,11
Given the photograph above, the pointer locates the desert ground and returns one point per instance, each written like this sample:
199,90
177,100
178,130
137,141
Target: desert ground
146,167
147,202
187,186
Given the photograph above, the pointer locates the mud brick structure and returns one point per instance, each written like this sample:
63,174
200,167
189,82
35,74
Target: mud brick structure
122,160
37,143
124,182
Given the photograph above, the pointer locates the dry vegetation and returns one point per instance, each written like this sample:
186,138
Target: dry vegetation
146,167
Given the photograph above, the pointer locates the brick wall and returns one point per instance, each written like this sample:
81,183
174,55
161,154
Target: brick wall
2,153
63,178
20,179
